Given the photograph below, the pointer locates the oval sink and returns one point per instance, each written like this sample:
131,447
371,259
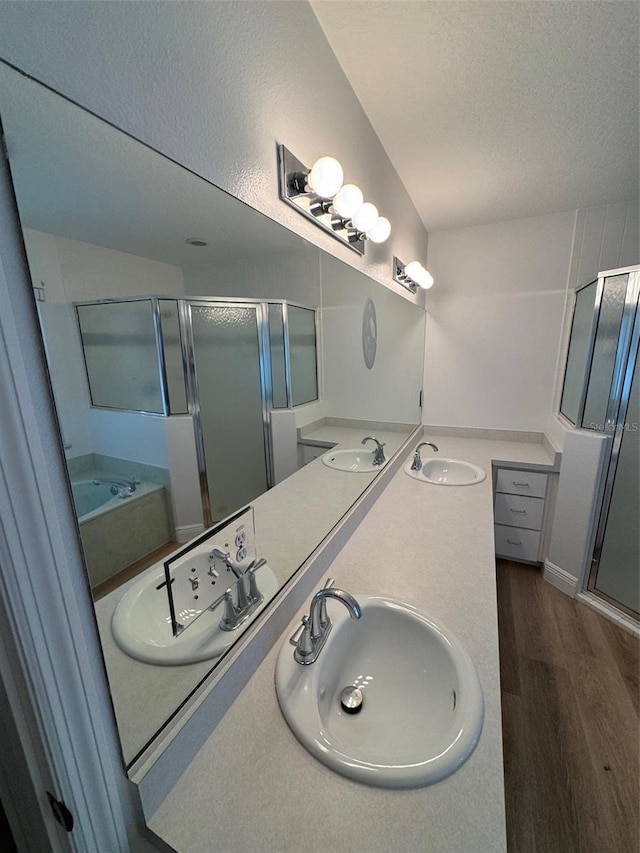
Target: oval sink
141,623
447,472
359,461
422,705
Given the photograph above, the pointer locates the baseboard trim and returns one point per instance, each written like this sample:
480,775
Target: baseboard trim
610,612
188,532
560,579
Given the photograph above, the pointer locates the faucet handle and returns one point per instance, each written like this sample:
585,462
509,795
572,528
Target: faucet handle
229,610
254,592
243,601
301,638
324,618
255,565
219,600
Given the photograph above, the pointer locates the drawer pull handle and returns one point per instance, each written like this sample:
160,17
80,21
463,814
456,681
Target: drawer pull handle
521,485
519,511
511,542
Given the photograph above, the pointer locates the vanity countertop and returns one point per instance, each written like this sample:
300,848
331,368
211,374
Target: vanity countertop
312,500
253,787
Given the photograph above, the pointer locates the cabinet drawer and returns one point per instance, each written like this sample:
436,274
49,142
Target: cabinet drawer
530,483
519,511
517,543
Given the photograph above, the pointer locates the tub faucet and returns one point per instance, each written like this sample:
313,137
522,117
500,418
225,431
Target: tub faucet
312,634
378,453
416,465
119,486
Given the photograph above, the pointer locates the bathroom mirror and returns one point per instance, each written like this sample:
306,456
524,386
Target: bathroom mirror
131,249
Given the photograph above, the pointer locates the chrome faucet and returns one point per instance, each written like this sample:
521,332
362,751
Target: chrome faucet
119,486
378,454
312,634
416,465
247,600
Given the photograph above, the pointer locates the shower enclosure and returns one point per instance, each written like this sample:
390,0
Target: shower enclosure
601,392
225,362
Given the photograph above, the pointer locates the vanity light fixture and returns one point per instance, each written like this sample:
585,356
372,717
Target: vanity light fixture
320,194
412,276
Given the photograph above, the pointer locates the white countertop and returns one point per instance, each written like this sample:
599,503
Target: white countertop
253,787
305,506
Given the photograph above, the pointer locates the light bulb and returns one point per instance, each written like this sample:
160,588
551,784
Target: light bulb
366,217
380,231
414,271
325,177
348,201
427,279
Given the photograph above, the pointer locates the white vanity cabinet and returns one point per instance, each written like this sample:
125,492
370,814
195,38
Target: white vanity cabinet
521,504
308,452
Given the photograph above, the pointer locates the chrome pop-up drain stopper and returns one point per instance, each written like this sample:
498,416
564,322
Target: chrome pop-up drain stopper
351,699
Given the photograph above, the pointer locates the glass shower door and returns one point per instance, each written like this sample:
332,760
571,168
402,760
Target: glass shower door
228,401
617,558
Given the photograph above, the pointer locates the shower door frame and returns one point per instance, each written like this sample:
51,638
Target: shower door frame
619,393
191,382
159,343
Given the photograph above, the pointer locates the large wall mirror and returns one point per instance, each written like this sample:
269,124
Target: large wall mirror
189,339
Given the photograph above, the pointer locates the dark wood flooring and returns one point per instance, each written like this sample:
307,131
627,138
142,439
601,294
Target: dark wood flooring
570,720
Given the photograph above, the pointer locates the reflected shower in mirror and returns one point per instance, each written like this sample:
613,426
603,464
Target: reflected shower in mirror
199,355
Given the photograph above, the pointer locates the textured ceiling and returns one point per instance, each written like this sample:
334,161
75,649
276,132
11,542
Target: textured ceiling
496,110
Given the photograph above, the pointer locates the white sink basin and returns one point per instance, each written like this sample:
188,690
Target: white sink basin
141,623
360,461
422,708
447,472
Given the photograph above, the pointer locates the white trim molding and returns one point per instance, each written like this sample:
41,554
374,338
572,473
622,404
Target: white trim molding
610,612
188,532
52,672
560,579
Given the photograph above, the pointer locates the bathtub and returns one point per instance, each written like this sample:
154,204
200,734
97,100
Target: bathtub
117,531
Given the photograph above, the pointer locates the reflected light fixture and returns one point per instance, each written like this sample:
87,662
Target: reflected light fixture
412,276
320,195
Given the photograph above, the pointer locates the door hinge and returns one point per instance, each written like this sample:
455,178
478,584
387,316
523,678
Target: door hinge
60,812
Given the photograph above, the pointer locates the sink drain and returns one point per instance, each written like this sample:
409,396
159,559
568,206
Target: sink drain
351,699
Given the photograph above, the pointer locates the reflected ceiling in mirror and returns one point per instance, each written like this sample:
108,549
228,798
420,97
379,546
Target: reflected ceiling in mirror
106,218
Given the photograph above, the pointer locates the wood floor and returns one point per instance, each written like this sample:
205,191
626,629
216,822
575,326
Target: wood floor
570,719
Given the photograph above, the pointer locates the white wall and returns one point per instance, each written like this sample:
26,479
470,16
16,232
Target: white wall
215,86
93,272
129,435
607,237
283,275
182,461
74,271
494,318
575,511
499,313
62,342
390,390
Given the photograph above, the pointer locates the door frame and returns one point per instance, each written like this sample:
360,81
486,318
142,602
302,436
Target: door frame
54,683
